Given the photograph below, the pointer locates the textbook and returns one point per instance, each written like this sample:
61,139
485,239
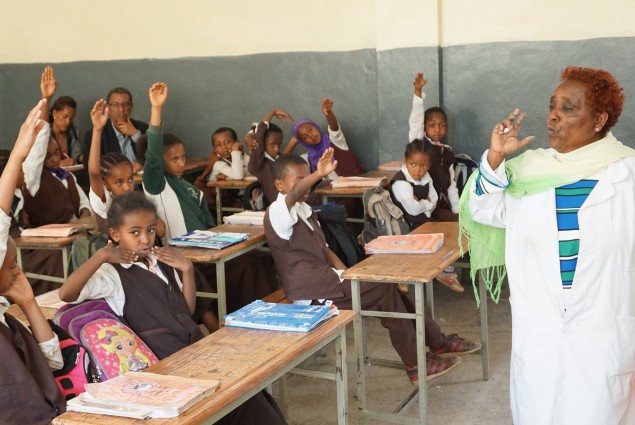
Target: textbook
143,394
51,230
281,317
253,218
209,239
390,166
405,244
357,181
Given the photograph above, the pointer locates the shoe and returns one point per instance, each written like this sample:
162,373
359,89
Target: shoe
450,280
435,366
455,345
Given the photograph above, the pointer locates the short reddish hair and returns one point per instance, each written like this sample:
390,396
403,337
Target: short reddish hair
604,93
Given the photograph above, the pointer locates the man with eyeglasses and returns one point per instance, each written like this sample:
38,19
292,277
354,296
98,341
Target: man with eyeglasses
121,132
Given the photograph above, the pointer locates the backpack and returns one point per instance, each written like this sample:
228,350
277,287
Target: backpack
75,373
112,346
254,198
332,218
381,216
84,246
463,169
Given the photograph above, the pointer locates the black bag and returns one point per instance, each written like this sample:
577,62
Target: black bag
254,198
332,218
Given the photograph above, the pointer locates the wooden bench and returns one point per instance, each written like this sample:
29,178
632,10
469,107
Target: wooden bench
277,297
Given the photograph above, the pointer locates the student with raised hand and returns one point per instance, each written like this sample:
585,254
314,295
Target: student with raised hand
264,141
28,394
308,134
311,271
141,284
431,127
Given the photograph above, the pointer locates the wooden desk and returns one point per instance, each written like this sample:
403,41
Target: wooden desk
416,270
192,164
245,361
219,185
221,256
329,191
62,243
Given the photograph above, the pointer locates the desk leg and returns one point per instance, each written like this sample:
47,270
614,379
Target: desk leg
429,297
421,352
222,293
341,383
325,199
358,335
482,293
219,210
65,255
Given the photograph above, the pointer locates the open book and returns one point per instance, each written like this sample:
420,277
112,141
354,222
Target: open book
143,394
51,230
281,317
255,218
405,244
357,181
209,239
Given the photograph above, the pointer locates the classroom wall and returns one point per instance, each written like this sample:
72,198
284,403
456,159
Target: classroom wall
227,64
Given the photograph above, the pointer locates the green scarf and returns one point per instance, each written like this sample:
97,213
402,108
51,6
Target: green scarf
530,173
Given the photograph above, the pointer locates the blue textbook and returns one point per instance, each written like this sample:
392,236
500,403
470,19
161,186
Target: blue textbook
281,317
209,239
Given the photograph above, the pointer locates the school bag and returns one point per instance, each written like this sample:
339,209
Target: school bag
75,373
463,169
84,246
381,216
254,197
113,348
332,218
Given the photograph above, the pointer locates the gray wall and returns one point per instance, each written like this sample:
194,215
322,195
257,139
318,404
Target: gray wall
372,90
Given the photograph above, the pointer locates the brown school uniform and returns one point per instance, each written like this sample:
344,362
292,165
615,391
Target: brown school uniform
28,391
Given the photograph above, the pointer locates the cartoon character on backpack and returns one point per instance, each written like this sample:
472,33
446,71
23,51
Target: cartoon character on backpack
121,343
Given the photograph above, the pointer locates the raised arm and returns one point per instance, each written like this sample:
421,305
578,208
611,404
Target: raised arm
278,113
504,140
153,173
327,110
99,116
48,87
415,121
293,142
325,166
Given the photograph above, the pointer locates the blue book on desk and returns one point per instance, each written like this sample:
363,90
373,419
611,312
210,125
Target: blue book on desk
209,239
281,317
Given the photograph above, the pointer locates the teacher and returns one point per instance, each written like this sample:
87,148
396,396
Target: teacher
562,222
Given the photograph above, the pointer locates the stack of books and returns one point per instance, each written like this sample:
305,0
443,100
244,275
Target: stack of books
405,244
208,239
51,230
357,181
142,395
252,218
281,317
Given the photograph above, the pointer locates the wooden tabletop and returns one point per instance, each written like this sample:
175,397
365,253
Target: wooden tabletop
241,359
411,267
35,242
206,255
225,184
329,190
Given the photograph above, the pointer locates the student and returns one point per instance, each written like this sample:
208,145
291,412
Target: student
141,284
28,394
228,161
183,209
309,135
431,127
311,271
411,189
264,141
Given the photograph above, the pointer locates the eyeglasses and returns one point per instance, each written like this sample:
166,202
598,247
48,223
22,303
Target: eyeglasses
123,105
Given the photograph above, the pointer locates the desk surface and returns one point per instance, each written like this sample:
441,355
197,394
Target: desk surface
205,255
411,267
241,359
89,222
227,183
355,191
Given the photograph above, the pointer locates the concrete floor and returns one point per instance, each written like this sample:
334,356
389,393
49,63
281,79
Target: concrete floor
459,397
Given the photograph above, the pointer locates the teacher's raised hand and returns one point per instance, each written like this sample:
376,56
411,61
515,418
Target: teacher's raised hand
504,140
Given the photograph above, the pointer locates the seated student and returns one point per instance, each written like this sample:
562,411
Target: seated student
183,209
309,135
141,284
431,127
28,394
264,141
411,189
311,271
17,212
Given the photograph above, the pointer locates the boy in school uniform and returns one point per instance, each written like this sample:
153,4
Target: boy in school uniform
28,393
311,272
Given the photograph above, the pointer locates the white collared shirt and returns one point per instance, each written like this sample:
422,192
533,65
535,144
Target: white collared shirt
404,194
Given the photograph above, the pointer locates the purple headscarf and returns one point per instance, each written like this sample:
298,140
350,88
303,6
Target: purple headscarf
314,152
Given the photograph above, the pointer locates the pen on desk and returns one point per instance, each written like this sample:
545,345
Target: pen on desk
446,255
